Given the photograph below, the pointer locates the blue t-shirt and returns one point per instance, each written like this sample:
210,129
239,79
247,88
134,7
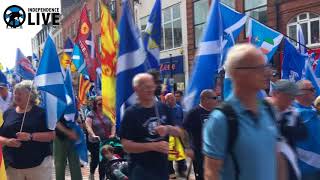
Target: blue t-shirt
255,147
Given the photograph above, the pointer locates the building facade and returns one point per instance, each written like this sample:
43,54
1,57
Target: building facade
281,15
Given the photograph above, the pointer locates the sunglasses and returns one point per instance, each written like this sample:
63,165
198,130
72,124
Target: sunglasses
214,97
264,67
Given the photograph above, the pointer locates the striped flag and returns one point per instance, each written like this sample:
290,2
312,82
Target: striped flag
79,62
84,87
109,46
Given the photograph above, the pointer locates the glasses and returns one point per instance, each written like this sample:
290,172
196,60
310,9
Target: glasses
214,97
309,89
264,67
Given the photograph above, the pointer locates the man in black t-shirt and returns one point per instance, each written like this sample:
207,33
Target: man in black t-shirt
193,125
144,132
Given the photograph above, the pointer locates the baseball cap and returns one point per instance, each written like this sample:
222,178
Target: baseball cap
286,86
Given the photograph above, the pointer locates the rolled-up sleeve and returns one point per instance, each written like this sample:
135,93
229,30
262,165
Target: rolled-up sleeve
215,135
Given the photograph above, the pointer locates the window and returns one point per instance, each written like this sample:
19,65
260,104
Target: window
73,29
171,28
98,10
257,9
200,10
229,3
113,9
310,25
143,23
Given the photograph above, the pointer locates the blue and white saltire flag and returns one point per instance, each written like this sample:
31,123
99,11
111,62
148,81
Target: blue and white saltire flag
23,66
80,144
233,22
68,47
71,108
293,62
152,37
131,60
310,75
79,62
49,79
309,149
90,44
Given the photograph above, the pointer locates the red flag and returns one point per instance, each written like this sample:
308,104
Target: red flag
84,33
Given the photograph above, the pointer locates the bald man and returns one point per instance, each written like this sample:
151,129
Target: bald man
255,148
193,125
144,132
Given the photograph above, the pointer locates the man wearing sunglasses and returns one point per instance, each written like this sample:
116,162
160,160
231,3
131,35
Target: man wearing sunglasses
193,125
253,156
309,149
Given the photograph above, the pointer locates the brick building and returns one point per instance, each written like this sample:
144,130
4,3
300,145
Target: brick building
281,15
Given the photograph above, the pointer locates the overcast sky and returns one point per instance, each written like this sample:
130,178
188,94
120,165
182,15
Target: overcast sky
11,39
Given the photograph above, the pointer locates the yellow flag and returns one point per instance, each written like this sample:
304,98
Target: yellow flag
65,61
3,175
176,150
109,46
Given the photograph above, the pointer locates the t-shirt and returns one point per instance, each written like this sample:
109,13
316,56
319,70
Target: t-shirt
138,125
59,134
255,146
101,129
193,124
30,153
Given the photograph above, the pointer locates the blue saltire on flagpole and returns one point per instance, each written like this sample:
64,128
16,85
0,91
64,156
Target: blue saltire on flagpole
293,62
49,79
152,37
71,108
68,47
131,60
208,58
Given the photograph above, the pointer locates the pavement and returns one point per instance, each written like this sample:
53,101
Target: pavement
85,174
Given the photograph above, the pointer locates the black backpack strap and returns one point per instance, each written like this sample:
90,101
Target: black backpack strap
232,122
270,110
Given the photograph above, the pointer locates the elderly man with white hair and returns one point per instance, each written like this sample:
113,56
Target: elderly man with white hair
144,132
251,153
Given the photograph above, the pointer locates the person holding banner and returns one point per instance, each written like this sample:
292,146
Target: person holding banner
26,138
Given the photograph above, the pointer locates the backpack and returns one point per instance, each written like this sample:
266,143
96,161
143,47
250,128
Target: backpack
233,130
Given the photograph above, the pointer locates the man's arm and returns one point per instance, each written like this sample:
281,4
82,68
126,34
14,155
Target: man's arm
68,132
135,147
212,168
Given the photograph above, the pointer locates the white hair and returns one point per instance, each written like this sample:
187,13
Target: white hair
236,55
136,81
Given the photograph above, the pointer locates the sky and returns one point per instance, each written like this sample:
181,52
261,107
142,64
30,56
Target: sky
11,39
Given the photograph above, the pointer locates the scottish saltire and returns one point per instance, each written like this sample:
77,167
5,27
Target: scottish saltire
49,79
208,57
264,38
24,67
79,62
310,75
233,22
131,60
66,56
71,108
293,62
301,41
309,149
84,87
152,37
109,46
